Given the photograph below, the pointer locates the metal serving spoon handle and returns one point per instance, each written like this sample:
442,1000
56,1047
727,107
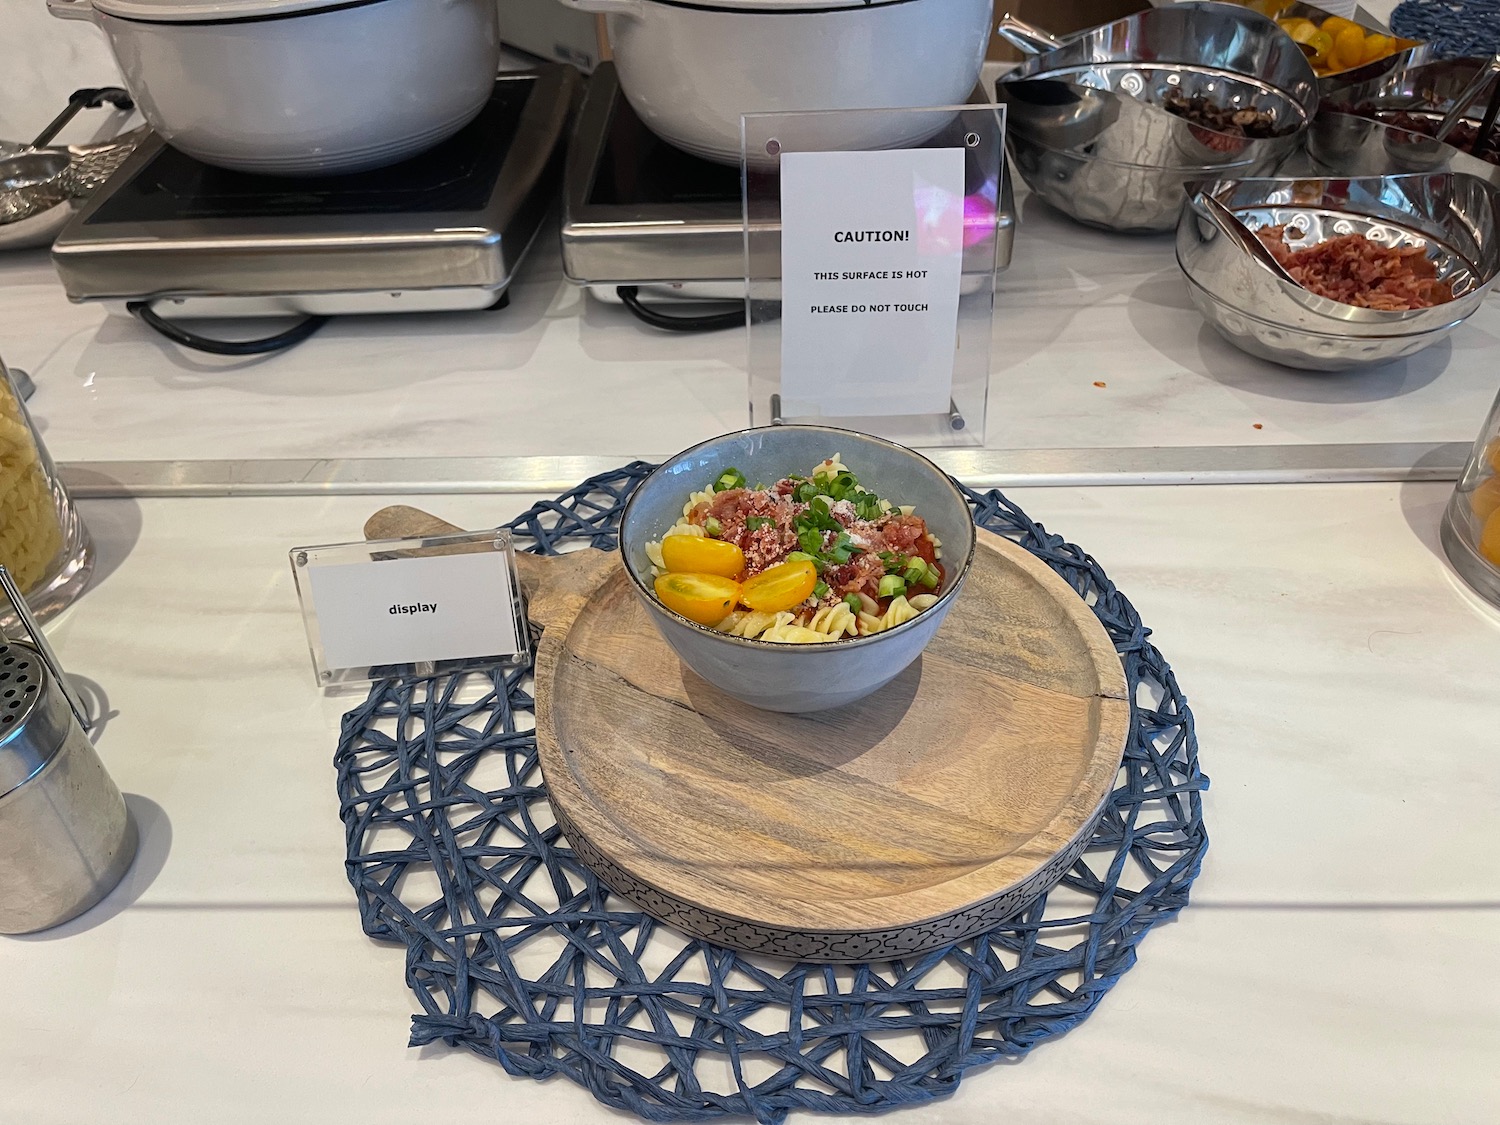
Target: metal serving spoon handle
1469,96
1025,37
1228,222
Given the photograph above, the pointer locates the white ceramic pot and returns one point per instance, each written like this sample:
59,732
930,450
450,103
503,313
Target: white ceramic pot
691,70
301,87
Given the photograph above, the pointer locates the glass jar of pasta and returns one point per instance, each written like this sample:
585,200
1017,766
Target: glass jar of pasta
1471,523
43,543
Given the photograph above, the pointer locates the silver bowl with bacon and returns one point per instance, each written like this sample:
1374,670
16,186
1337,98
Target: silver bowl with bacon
1380,267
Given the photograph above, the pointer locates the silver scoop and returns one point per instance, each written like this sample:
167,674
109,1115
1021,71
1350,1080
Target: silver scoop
36,179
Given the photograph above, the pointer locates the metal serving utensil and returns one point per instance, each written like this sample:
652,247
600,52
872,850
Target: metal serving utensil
35,179
1245,238
1466,98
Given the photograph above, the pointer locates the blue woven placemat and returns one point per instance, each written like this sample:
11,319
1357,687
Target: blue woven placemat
517,952
1459,28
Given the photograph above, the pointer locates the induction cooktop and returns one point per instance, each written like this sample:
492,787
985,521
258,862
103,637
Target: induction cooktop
441,230
639,212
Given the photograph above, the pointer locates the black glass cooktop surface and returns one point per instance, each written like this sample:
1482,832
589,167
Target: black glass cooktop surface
456,176
638,167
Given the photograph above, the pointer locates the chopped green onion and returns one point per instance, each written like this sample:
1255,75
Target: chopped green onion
800,556
729,478
891,586
755,523
811,541
929,579
912,576
853,602
712,528
820,591
894,564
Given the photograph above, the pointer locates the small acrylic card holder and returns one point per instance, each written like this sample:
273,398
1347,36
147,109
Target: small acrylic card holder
870,268
411,607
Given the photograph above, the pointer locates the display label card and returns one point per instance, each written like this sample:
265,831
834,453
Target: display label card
871,262
412,602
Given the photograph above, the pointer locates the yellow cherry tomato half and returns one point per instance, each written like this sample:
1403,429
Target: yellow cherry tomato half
1298,29
1322,48
704,598
1335,24
781,586
697,554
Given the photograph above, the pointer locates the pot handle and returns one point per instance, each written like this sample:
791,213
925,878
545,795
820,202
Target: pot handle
72,9
1024,37
607,7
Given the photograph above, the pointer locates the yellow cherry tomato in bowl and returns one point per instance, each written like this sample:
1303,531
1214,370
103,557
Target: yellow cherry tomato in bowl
780,587
1321,44
1299,29
1348,47
697,554
704,598
1377,46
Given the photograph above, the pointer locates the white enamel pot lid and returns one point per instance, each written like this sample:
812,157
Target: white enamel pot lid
784,7
219,11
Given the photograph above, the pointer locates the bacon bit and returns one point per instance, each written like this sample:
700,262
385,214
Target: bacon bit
1357,271
1099,384
1257,425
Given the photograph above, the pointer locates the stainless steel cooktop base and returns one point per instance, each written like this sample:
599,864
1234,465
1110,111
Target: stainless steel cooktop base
376,261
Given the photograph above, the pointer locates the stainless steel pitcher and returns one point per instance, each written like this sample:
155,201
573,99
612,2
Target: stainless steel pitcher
66,839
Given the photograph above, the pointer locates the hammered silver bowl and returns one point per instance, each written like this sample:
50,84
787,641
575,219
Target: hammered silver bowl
1087,128
1348,138
1454,216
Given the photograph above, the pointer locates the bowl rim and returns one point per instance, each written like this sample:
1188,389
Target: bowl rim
838,644
1166,169
1288,327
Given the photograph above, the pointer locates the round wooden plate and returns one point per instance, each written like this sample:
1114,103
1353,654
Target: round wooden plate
926,813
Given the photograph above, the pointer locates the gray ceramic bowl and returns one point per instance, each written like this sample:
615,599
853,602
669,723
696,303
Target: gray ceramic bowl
792,677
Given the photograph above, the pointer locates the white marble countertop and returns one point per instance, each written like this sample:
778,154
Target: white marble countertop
561,373
558,373
1332,965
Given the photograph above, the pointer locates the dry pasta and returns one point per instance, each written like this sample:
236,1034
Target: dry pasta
30,533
